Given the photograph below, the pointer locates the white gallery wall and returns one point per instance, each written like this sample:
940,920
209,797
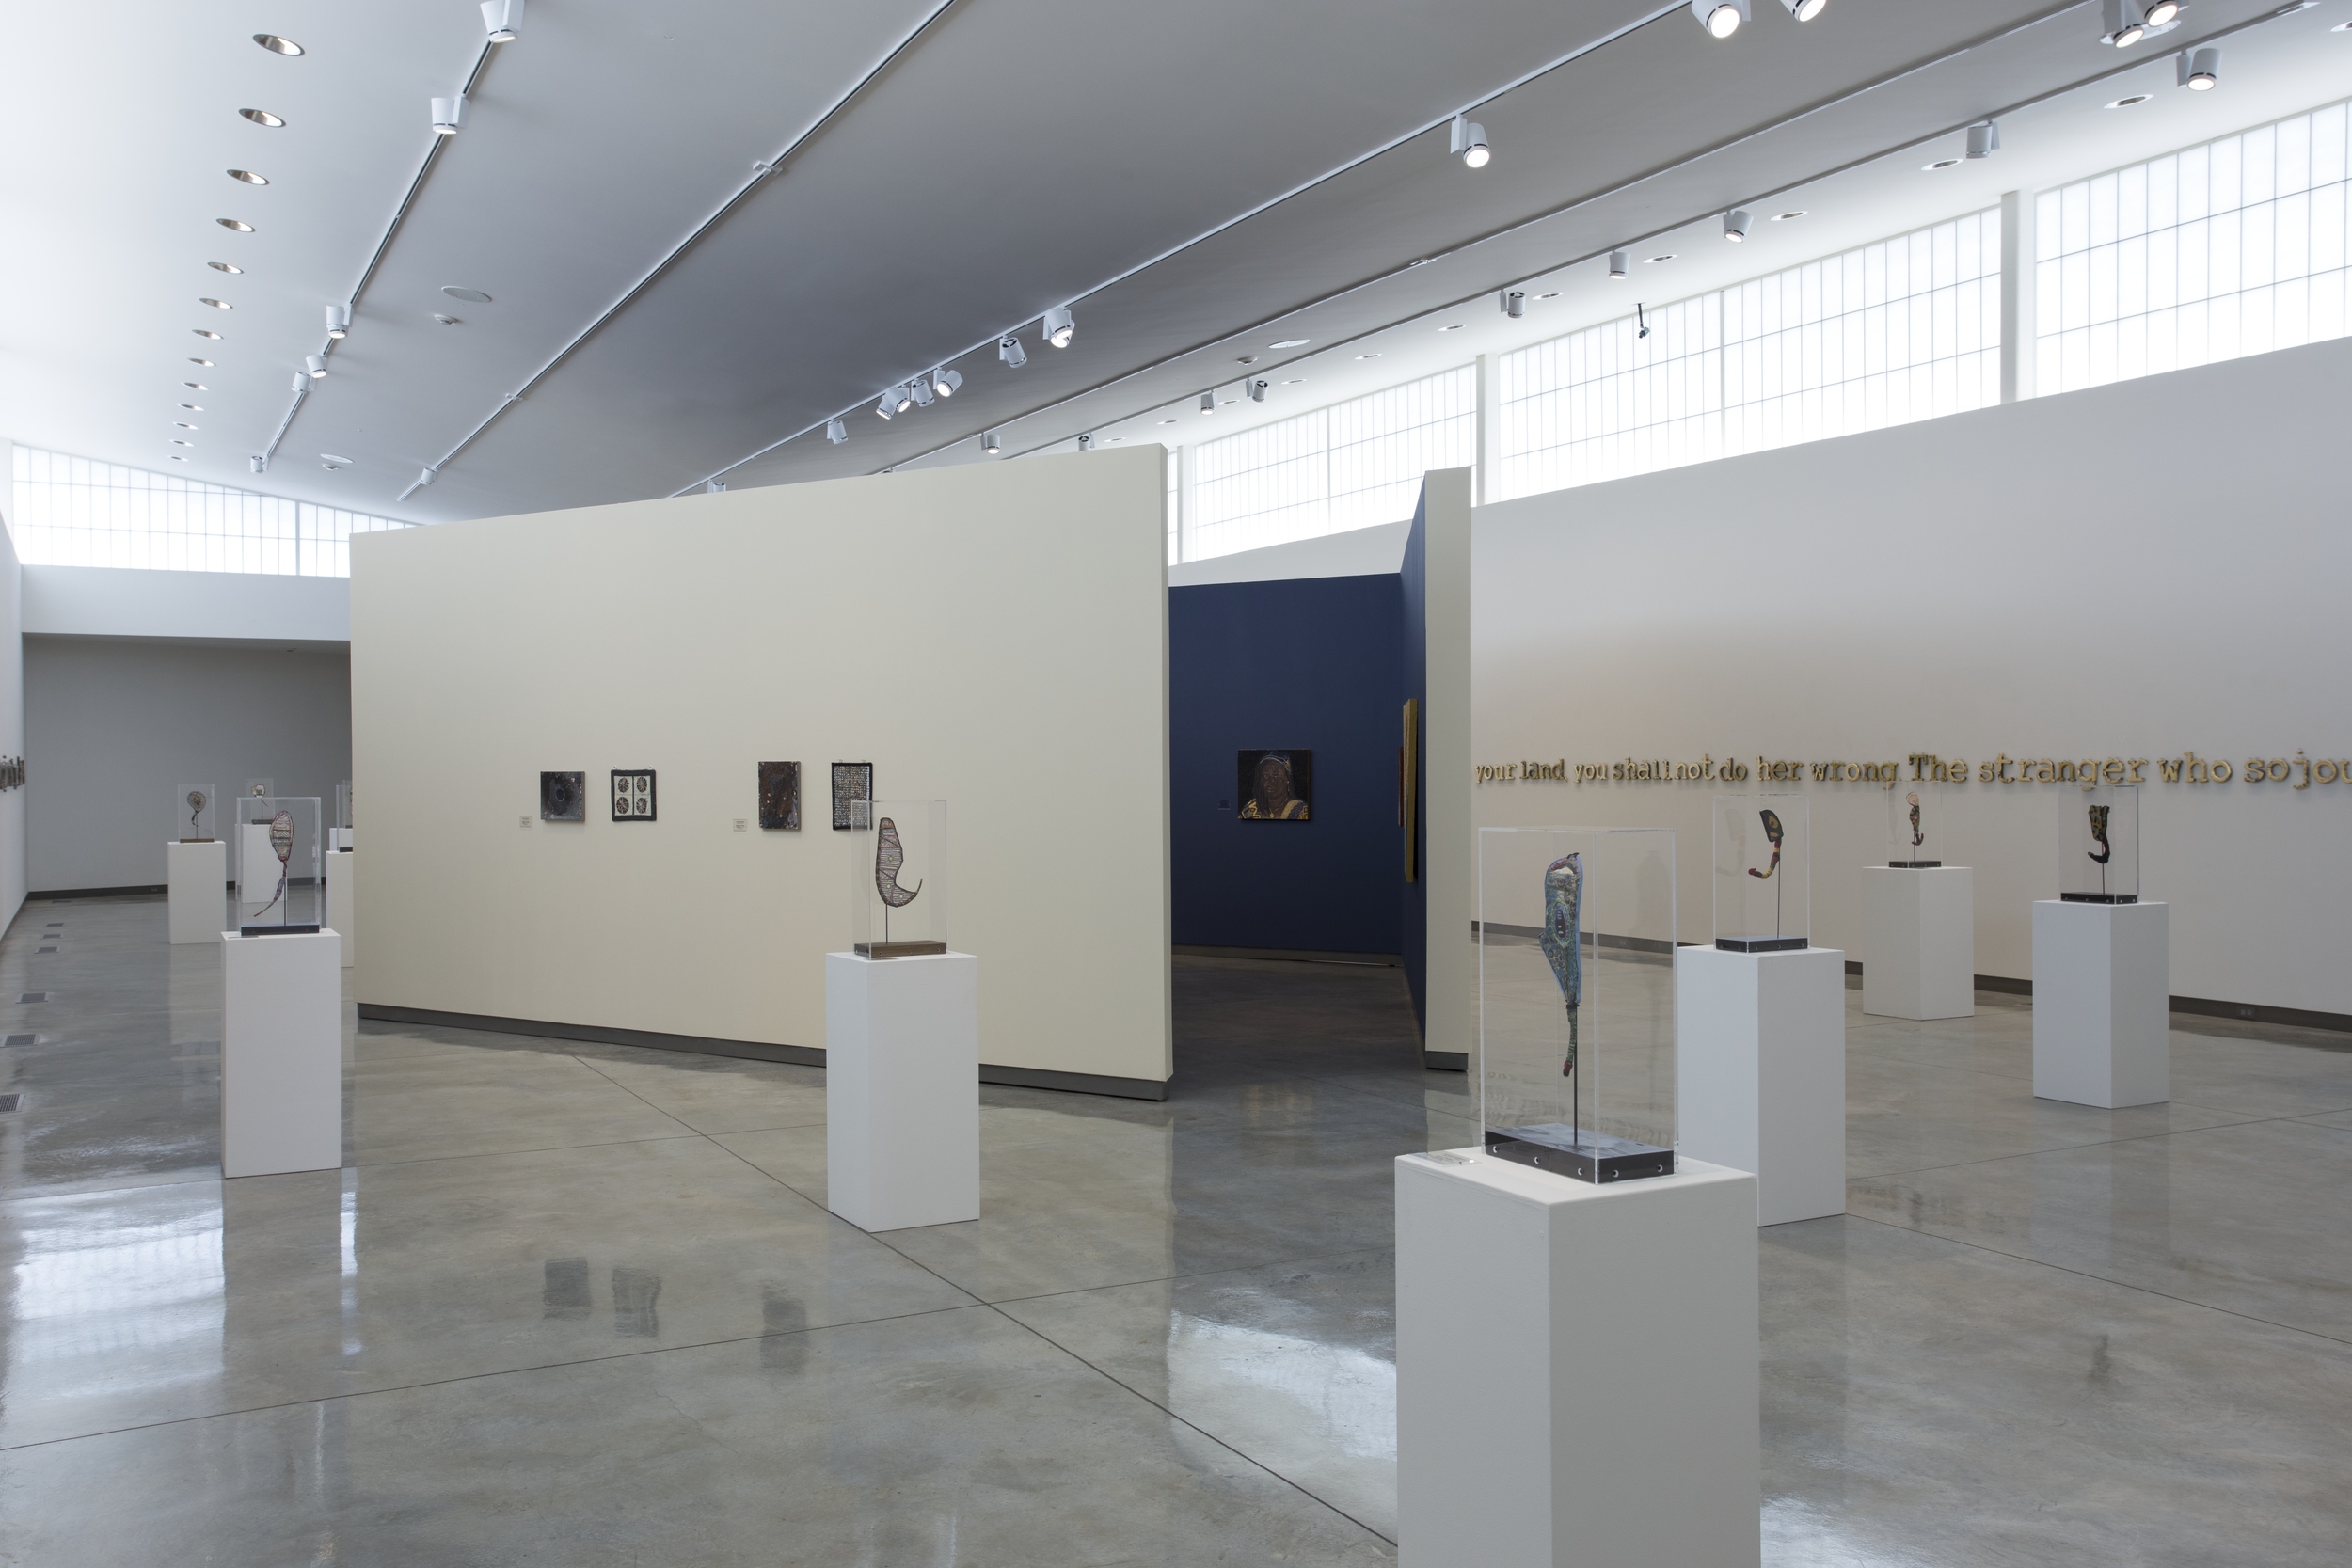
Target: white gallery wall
992,635
2141,570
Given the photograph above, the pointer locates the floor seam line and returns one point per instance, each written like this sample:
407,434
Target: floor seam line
2063,1148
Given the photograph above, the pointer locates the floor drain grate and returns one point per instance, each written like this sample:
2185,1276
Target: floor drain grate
34,996
10,1101
19,1040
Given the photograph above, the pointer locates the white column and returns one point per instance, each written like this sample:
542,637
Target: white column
902,1089
341,888
2018,273
1576,1368
281,1054
2102,1004
1760,1055
1919,942
1489,377
196,884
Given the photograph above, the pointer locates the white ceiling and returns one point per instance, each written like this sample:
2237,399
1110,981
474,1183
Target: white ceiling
1018,154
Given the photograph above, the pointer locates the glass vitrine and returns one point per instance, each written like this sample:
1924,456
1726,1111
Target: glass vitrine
1576,992
1763,882
2099,845
897,878
192,812
277,843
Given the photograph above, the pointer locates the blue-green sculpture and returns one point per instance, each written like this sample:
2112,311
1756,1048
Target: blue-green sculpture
1563,938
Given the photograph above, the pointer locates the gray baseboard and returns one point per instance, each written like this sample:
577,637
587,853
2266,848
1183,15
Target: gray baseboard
142,890
1445,1061
2257,1012
757,1051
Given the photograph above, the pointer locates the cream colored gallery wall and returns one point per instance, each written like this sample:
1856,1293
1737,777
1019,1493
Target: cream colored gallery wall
992,635
2140,570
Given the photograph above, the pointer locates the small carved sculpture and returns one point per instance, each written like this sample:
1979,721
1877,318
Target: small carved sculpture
1772,832
280,840
890,858
1564,908
1917,837
196,808
2099,834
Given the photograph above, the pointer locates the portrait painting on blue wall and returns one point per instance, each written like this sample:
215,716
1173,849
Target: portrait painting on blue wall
1276,786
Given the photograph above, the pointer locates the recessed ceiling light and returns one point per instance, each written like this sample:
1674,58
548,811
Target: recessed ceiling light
216,304
1942,163
262,117
182,424
224,266
277,45
1367,356
2341,27
1554,294
193,408
1290,342
1168,422
1784,217
213,336
198,384
1421,261
248,177
238,225
471,296
1295,381
1668,257
176,442
176,457
445,320
193,360
1456,327
2124,103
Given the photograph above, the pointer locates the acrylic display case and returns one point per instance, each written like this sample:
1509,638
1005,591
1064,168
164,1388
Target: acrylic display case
2099,845
338,831
1763,879
192,810
897,878
279,887
1576,990
1914,829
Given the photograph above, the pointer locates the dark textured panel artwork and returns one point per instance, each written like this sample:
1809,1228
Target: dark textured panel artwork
780,795
852,791
632,795
1275,786
562,797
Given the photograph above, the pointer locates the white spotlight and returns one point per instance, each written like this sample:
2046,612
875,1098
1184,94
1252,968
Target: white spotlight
1984,138
1721,18
2126,24
920,390
1257,389
945,381
338,322
259,464
1470,142
1805,10
503,20
2200,71
1736,224
316,365
990,445
1009,349
836,431
2162,13
1208,402
1059,326
889,404
448,114
710,486
1514,303
424,477
1086,442
301,383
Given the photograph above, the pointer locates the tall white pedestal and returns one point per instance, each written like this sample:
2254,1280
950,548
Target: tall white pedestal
195,889
1577,1376
2102,1004
281,1054
902,1089
339,895
1919,947
1760,1043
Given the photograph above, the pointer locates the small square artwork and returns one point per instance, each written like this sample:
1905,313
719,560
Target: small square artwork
632,795
562,797
1276,786
780,795
852,794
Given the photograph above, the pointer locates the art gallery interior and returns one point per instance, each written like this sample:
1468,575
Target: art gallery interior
970,784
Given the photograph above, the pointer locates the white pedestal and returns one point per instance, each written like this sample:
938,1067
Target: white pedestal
196,884
339,838
1760,1046
281,1054
2102,1004
902,1089
340,885
1577,1375
1919,950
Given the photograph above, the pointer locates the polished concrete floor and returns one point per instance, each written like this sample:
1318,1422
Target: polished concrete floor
582,1306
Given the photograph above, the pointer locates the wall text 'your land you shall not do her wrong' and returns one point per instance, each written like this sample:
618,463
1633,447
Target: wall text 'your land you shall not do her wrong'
2299,771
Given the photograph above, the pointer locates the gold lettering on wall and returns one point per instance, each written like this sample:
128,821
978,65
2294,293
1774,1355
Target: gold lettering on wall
2299,771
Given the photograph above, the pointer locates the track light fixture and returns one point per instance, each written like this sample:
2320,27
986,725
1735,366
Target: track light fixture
1618,262
2162,14
2200,72
448,114
316,365
945,381
1257,385
1514,303
338,321
1060,327
425,476
1208,402
710,486
1736,224
920,390
1008,350
888,405
1805,10
1641,321
1984,138
503,20
1086,442
1468,142
2126,24
990,445
1721,18
301,383
836,431
257,464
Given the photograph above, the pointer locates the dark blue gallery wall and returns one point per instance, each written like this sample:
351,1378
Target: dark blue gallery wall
1313,662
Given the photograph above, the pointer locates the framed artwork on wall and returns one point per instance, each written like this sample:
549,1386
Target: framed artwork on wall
780,795
1275,786
562,797
852,791
632,795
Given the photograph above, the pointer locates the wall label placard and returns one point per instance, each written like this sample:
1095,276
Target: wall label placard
2298,772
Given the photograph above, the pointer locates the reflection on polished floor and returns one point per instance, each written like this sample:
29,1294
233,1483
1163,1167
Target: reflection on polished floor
582,1306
